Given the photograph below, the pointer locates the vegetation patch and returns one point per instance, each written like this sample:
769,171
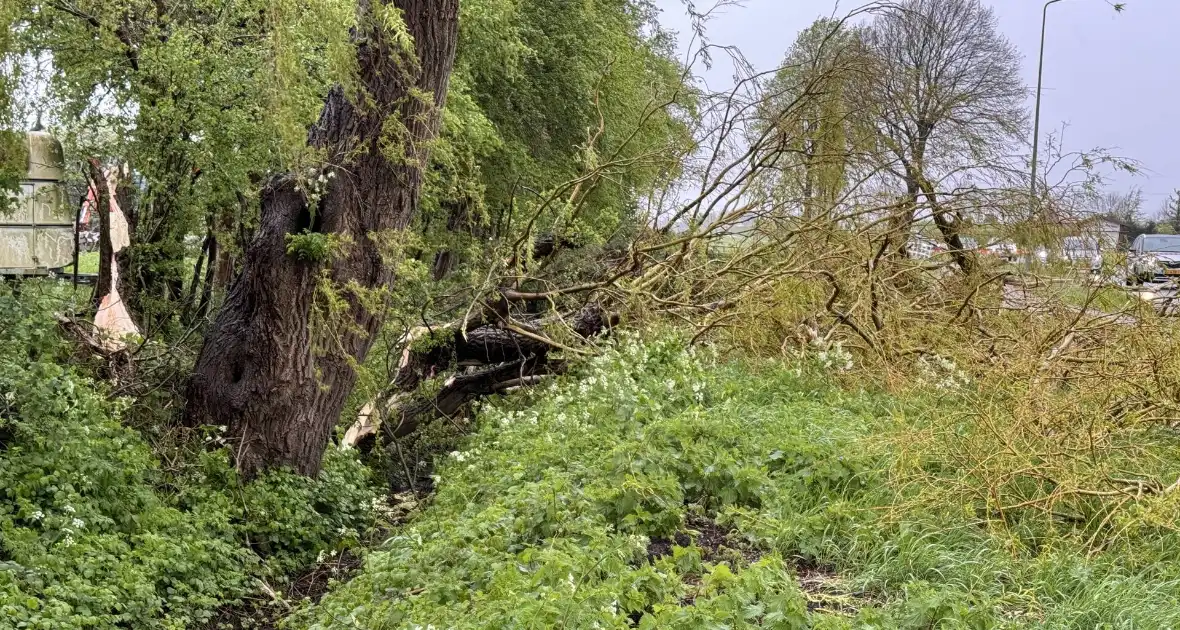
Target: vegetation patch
657,489
366,219
95,533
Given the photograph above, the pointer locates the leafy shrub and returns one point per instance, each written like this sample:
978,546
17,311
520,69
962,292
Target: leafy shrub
88,539
282,517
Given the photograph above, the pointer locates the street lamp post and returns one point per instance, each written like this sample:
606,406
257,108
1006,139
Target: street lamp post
1032,184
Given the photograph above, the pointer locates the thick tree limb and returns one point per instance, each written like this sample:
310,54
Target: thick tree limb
459,390
496,357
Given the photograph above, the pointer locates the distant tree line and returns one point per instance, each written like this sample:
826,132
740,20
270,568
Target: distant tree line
1127,209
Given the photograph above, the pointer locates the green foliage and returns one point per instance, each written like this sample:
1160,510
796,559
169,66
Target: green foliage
547,515
542,93
552,515
13,150
205,100
533,81
286,519
89,537
548,73
13,164
315,247
811,107
87,263
202,100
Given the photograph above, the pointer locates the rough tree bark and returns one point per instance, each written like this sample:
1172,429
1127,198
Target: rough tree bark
949,223
102,196
262,372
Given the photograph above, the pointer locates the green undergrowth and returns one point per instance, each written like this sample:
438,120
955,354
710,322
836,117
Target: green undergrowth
655,488
96,533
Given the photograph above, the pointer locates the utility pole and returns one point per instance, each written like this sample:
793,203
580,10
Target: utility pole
1032,184
1118,7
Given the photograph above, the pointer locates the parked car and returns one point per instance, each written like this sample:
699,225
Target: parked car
1153,258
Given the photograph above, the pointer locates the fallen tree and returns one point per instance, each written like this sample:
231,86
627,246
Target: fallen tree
471,360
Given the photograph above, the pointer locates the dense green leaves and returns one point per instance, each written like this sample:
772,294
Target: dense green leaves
543,93
206,100
12,149
89,537
812,104
202,100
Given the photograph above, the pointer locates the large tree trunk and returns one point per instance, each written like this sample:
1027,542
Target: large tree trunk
949,223
275,383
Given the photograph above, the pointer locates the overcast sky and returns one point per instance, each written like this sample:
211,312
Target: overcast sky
1114,79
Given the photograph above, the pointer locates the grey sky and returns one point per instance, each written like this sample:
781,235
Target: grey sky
1113,78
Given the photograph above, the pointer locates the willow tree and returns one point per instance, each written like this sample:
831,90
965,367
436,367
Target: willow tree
561,118
948,100
809,103
198,98
262,372
544,91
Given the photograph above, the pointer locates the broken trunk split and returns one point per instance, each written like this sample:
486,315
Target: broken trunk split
488,359
112,320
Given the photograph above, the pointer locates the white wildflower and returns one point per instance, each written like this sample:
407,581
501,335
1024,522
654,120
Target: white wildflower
942,374
833,357
69,509
78,523
38,515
